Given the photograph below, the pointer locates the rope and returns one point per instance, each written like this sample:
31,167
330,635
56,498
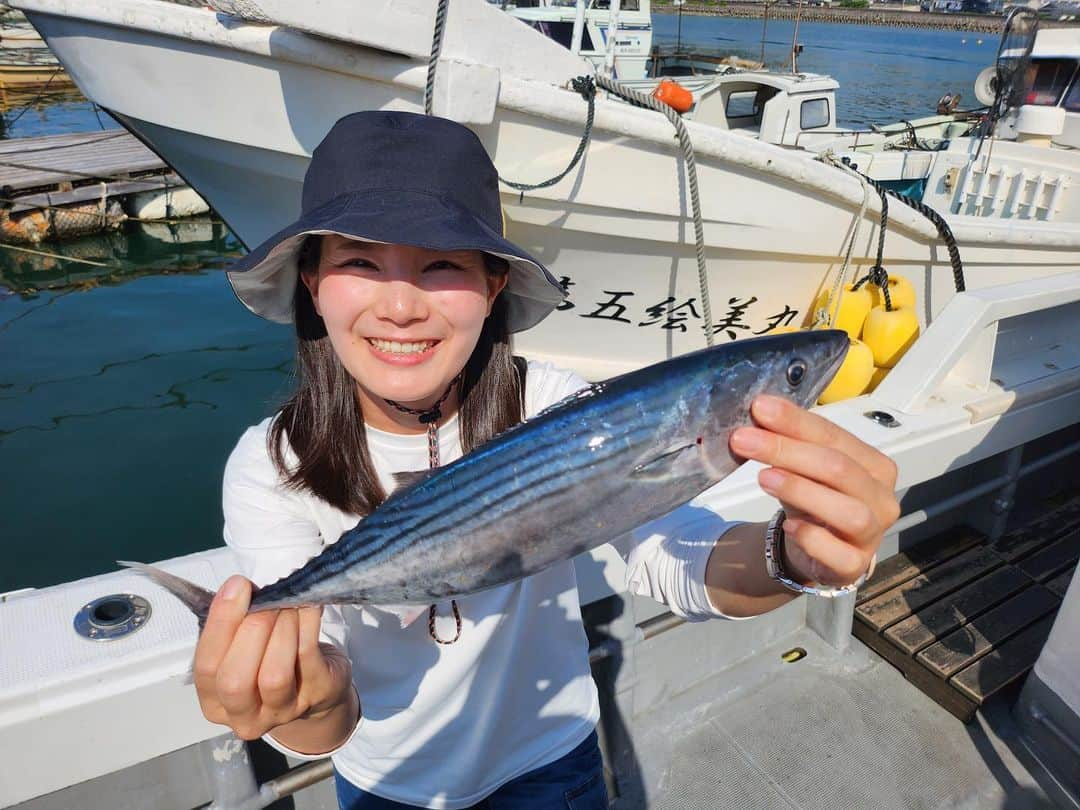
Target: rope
586,88
430,417
6,246
832,305
436,48
878,275
938,221
647,101
37,98
944,231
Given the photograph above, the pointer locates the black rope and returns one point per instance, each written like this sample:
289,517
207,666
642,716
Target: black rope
586,88
878,275
938,221
37,98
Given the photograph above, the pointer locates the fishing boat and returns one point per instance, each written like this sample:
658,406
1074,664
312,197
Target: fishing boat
586,29
1012,159
788,709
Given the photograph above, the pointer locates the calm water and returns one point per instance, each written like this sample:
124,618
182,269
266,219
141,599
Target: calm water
123,388
885,74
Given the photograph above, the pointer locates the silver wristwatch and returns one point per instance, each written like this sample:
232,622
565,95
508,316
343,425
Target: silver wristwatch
774,564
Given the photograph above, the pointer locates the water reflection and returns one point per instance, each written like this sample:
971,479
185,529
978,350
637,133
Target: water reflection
114,257
129,373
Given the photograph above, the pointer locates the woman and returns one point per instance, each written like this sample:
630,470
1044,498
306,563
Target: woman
404,294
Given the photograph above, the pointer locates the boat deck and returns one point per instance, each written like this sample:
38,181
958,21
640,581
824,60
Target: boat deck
826,731
965,618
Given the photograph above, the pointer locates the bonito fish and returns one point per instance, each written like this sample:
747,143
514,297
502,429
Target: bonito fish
581,473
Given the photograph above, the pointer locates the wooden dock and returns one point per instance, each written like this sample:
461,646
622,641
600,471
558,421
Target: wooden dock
59,164
65,185
964,618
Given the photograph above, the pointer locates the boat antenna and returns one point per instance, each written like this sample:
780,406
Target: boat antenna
764,29
678,35
1010,69
795,46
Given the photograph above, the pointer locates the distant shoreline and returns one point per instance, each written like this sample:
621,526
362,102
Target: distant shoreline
874,15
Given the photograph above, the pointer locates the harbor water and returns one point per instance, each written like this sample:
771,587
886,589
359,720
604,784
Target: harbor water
129,369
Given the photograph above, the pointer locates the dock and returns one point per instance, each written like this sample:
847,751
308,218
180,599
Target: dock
964,617
57,186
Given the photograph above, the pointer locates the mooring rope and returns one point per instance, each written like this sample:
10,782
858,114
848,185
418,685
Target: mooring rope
944,231
647,101
586,88
827,315
436,49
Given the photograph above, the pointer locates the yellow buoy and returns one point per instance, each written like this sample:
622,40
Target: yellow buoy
889,334
853,376
901,293
854,306
877,377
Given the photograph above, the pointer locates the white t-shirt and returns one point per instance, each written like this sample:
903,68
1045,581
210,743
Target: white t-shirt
444,725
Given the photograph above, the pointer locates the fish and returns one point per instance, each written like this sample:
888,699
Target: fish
596,465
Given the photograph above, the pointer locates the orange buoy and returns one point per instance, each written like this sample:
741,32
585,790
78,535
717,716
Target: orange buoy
674,95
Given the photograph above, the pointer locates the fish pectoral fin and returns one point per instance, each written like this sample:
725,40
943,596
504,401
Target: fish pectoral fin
409,478
664,465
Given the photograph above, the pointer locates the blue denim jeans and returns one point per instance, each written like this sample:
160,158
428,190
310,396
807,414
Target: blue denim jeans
572,782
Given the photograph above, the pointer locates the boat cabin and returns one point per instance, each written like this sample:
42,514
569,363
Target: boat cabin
775,107
1053,81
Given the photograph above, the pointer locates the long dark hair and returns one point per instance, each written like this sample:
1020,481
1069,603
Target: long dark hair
322,420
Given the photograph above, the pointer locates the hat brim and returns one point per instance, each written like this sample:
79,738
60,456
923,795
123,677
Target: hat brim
265,279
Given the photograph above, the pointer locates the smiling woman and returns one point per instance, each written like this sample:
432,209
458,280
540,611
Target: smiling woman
404,294
403,320
379,298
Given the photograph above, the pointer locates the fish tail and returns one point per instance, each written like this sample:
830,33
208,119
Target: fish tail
196,597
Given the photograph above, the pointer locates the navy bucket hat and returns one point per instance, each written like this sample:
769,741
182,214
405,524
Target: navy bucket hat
398,178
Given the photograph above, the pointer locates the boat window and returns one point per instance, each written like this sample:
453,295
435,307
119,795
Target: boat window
1072,99
741,104
1047,81
563,33
814,113
625,5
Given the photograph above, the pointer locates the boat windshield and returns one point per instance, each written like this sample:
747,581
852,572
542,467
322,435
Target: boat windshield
1048,80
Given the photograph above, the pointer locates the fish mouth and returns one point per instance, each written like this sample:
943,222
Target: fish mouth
843,344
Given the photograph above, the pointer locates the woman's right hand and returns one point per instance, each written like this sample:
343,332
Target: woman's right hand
256,672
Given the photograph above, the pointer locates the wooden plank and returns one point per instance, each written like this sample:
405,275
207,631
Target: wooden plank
30,202
27,163
909,564
914,594
1026,539
1005,665
1043,564
974,640
936,689
1060,583
956,609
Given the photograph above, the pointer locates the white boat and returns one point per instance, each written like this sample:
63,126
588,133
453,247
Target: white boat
236,106
588,31
1021,171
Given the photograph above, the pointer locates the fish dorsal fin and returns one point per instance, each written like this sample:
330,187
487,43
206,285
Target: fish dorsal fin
409,478
663,466
577,396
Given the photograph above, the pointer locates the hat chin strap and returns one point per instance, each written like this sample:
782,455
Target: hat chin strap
431,417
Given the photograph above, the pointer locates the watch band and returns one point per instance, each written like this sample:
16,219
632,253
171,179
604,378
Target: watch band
774,564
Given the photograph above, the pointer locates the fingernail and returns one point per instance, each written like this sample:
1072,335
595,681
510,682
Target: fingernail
767,407
232,587
746,441
770,480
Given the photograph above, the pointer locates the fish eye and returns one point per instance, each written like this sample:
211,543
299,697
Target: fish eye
796,372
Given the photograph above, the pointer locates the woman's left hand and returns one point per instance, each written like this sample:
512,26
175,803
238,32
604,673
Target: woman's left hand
837,490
